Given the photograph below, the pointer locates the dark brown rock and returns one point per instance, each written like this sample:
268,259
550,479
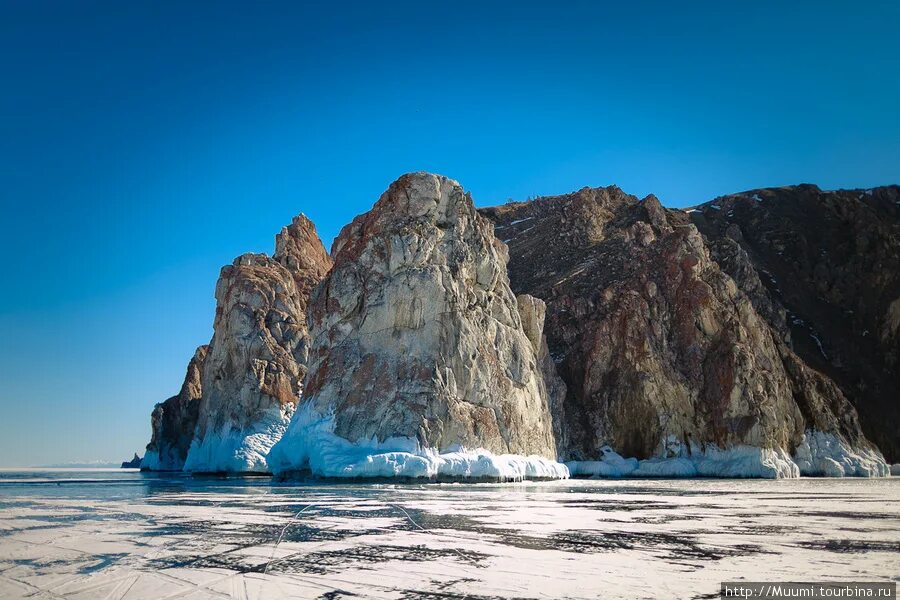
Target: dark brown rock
657,345
824,269
173,421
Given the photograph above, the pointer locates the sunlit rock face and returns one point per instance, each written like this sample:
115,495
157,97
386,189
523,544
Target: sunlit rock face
533,312
662,353
417,336
299,249
252,377
173,421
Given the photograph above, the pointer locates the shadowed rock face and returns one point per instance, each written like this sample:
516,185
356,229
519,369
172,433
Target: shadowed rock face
824,270
656,344
173,421
241,390
416,332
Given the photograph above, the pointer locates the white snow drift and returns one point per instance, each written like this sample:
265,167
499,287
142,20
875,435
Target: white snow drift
740,461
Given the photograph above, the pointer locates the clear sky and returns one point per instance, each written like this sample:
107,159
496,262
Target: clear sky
144,144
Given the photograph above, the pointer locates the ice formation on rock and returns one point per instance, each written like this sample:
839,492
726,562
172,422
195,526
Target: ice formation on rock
311,446
734,462
826,455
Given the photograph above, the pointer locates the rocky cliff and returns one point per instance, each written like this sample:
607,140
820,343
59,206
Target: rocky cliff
756,335
243,388
824,269
174,420
665,356
419,350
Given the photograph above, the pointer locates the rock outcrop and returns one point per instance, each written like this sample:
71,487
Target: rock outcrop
299,249
824,269
134,463
664,356
174,420
757,335
252,376
419,350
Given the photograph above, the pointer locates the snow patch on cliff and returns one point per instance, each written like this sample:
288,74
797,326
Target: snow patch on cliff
310,444
240,450
823,454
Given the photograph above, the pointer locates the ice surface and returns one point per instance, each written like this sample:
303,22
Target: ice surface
310,444
236,450
895,470
175,536
824,454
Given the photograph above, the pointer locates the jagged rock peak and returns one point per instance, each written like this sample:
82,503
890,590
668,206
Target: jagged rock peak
253,375
299,248
417,336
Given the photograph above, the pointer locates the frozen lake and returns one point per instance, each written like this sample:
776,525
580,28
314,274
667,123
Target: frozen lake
118,534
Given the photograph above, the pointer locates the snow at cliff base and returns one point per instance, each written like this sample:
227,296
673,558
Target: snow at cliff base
825,455
740,461
310,444
237,450
819,454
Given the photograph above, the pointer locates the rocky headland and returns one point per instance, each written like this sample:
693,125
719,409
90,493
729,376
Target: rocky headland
756,335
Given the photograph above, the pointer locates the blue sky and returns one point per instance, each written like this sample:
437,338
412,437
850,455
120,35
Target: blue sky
143,145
